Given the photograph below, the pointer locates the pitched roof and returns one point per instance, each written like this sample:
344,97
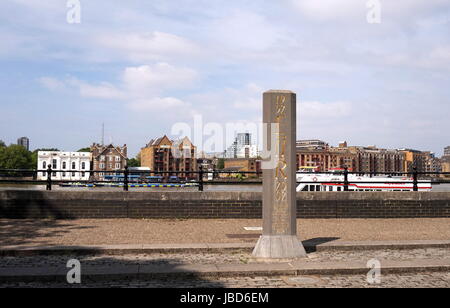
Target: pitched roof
102,150
158,141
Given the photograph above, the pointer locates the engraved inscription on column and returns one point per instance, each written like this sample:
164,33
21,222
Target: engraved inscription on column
281,206
279,239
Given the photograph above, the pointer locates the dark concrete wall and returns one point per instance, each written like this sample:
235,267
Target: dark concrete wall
75,205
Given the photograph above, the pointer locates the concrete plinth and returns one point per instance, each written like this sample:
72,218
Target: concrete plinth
279,247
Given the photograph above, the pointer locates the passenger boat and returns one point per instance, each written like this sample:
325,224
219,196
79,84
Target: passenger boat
334,181
132,185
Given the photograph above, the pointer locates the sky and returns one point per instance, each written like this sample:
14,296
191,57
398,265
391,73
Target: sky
141,67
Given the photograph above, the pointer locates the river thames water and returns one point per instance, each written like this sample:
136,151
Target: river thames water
246,188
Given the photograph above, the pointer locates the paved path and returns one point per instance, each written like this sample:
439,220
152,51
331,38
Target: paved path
129,231
228,257
427,267
422,280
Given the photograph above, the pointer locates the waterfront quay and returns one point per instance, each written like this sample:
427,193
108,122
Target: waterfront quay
205,239
216,253
188,238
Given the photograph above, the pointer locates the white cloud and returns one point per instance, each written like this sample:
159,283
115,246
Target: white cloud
141,87
141,80
103,90
245,31
156,103
356,10
315,110
248,98
331,9
140,47
51,83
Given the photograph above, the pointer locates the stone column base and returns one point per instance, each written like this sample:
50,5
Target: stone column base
279,247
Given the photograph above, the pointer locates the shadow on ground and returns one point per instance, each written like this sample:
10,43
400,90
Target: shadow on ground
104,272
311,244
29,219
15,232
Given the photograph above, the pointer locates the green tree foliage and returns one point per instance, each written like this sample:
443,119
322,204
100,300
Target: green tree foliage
2,144
133,162
15,157
221,164
84,150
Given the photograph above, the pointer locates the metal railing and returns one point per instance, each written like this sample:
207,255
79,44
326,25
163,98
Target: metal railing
125,177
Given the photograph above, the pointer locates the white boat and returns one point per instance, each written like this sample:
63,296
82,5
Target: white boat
334,181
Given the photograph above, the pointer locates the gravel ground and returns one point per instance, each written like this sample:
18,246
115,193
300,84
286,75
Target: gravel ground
422,280
148,231
231,257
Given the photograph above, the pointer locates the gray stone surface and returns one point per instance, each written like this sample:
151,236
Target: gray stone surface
279,238
355,247
414,280
237,266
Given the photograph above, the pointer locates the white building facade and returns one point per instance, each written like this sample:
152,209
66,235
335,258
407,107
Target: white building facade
242,147
247,151
74,166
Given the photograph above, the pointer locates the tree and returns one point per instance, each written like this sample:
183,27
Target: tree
134,162
2,144
15,157
221,163
84,150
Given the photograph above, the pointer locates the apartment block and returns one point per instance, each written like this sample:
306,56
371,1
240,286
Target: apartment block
25,142
165,155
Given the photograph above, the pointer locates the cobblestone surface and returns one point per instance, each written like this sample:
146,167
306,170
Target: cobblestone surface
179,231
423,280
230,257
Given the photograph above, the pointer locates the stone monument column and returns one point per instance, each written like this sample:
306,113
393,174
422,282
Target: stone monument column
279,239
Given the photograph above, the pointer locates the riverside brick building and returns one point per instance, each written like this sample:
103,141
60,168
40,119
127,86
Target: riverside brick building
165,155
447,151
108,158
372,159
415,159
318,154
234,165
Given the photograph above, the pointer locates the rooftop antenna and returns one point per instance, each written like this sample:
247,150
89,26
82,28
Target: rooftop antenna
103,134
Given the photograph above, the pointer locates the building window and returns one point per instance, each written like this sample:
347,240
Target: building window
64,174
102,158
83,165
54,164
64,165
102,166
73,174
117,158
73,166
117,166
44,165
